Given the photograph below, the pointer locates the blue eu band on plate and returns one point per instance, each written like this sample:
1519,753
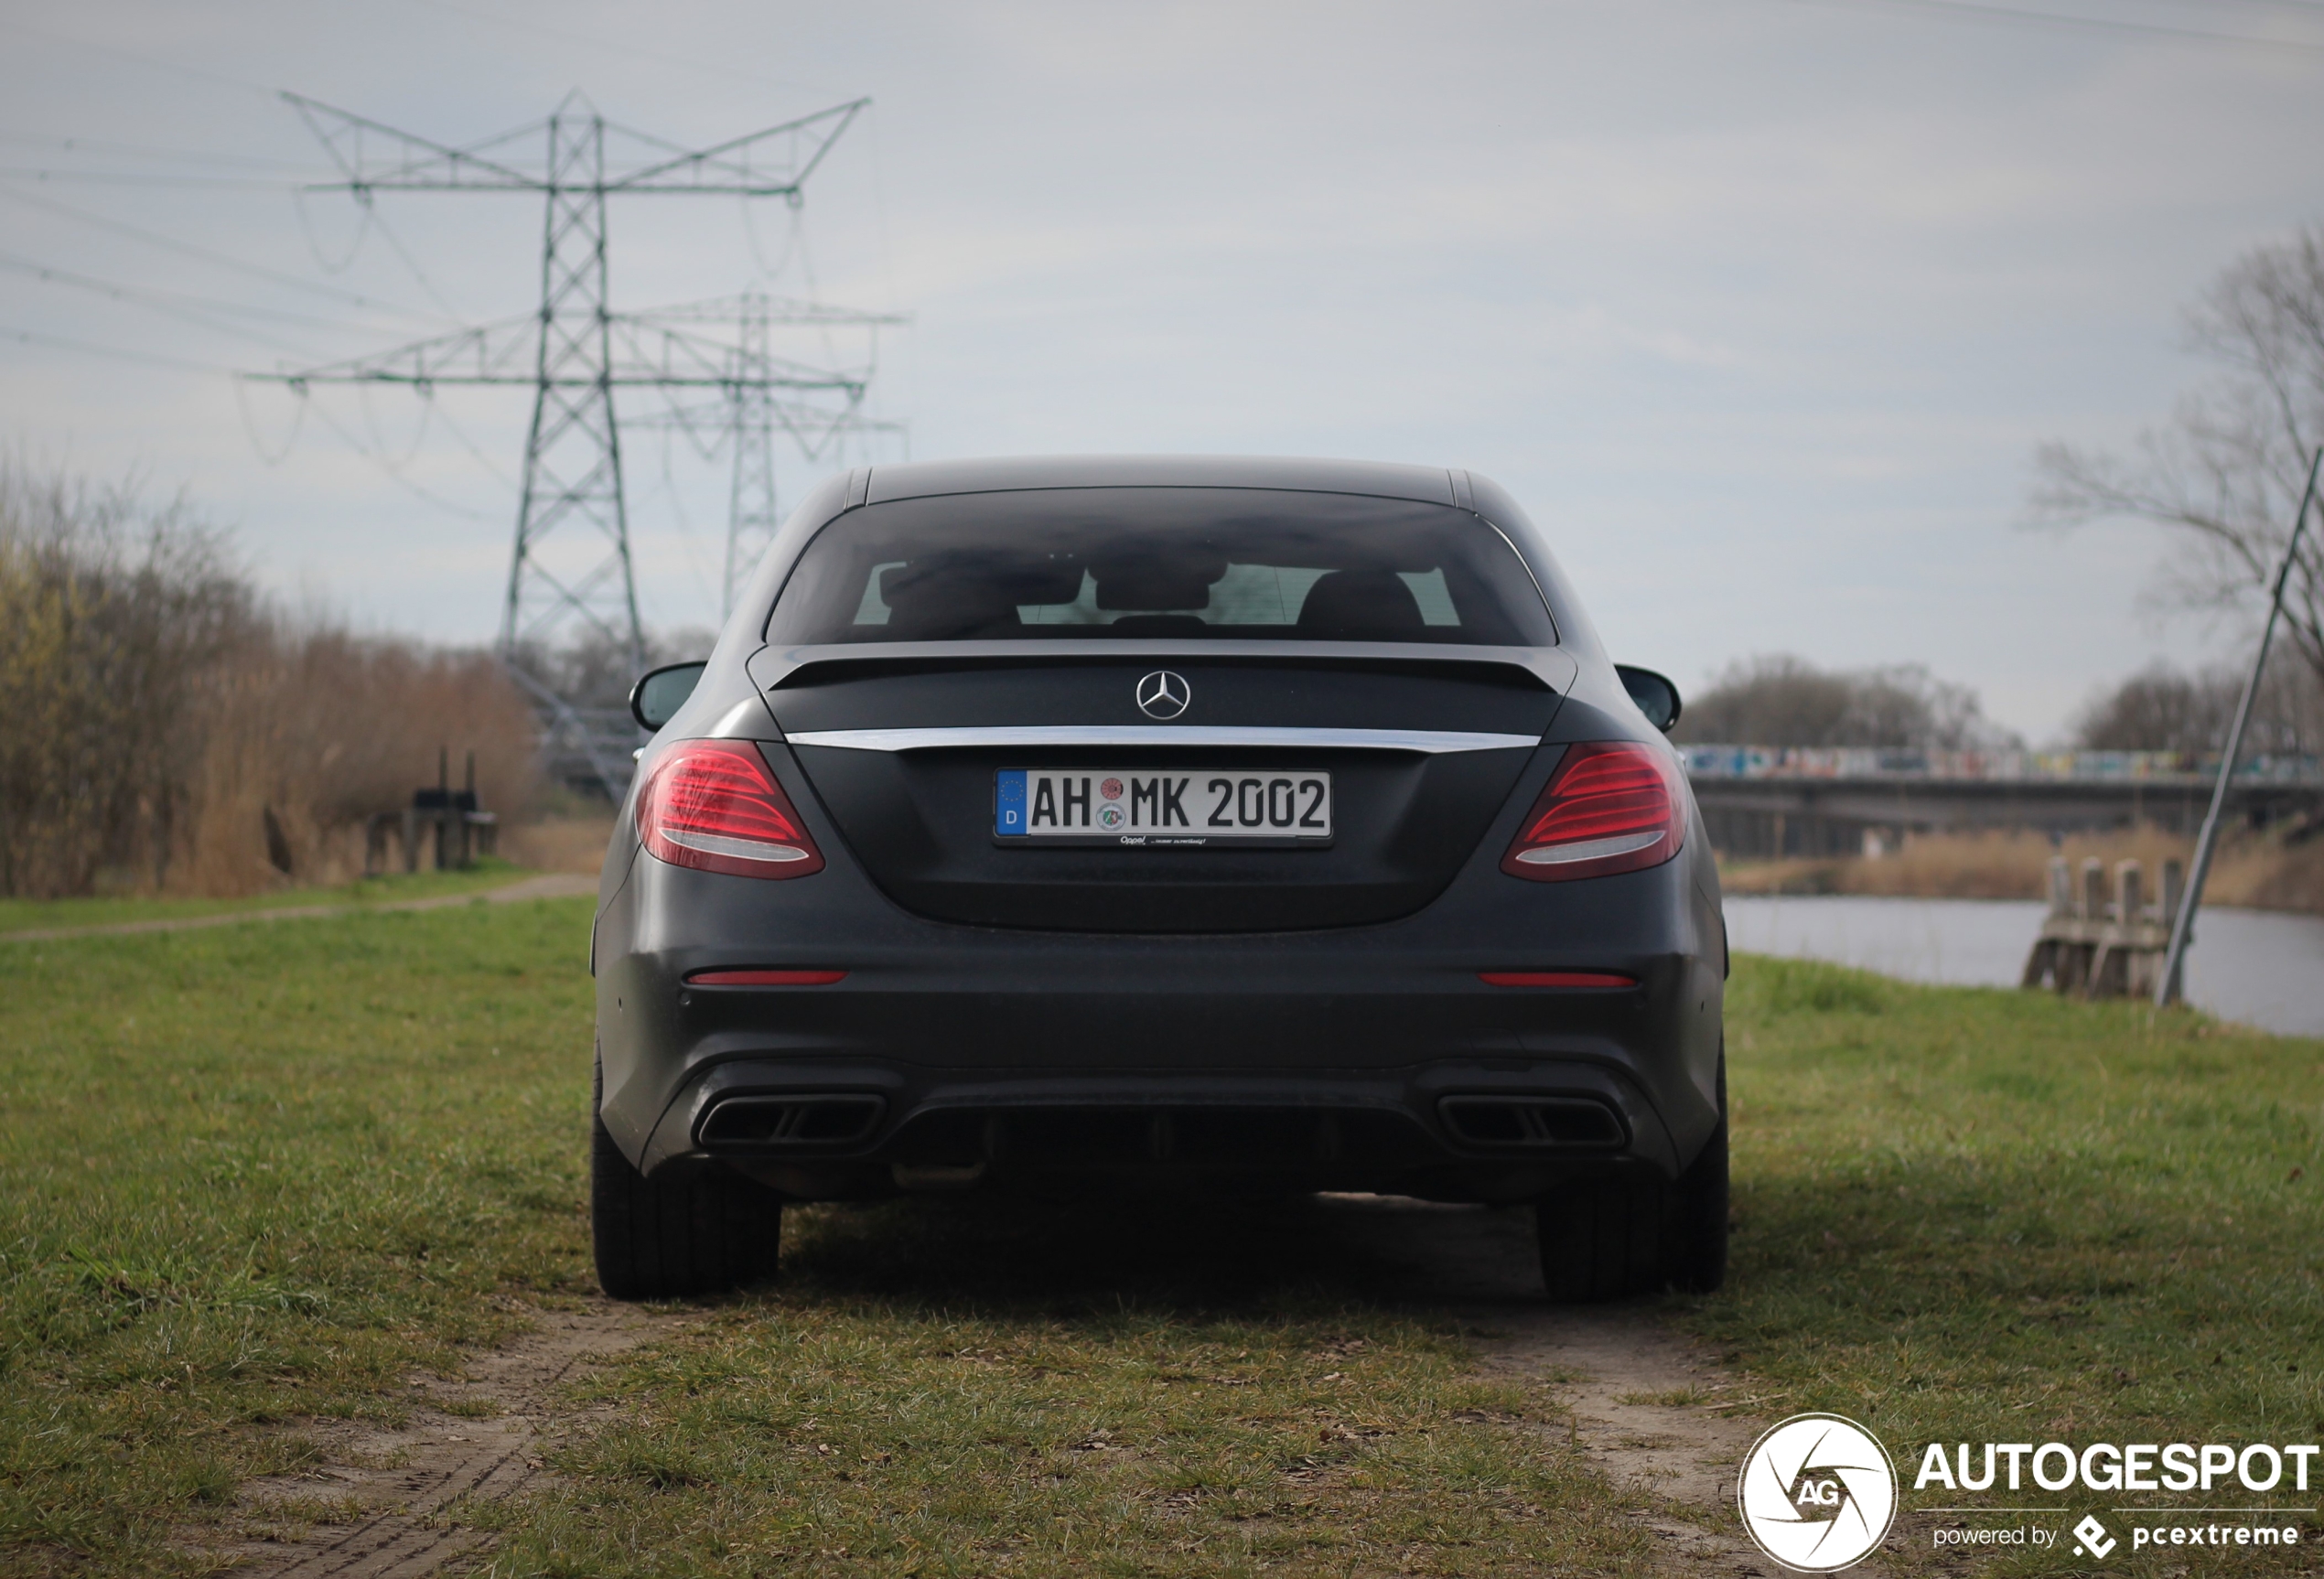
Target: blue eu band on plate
1162,806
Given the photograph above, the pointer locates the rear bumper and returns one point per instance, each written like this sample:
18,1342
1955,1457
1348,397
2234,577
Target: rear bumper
1366,1057
860,1127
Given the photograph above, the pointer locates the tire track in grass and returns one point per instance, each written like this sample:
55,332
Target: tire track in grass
1647,1409
373,1506
1645,1406
1646,1402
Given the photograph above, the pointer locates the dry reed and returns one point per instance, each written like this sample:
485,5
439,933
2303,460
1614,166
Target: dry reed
2260,869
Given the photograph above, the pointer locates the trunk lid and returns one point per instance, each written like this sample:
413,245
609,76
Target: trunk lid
903,753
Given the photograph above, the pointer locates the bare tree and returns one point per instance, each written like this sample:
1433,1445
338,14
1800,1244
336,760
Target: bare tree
2228,469
1777,699
2164,709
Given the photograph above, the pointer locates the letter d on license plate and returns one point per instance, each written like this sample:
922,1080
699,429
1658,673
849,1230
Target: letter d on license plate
1241,806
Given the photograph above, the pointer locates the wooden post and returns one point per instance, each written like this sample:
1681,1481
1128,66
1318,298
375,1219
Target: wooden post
2061,887
2094,889
2129,901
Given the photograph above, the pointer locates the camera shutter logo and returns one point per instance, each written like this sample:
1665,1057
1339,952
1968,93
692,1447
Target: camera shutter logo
1817,1493
1163,694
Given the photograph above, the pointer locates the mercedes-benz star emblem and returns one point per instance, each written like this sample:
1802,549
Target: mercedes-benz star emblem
1163,694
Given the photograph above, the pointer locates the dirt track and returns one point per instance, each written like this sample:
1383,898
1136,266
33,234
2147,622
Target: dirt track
380,1490
1643,1402
547,885
1646,1402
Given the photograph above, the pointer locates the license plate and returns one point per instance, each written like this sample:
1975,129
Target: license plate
1145,806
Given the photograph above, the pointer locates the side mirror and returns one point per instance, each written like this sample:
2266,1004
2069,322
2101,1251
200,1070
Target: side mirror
1655,696
655,699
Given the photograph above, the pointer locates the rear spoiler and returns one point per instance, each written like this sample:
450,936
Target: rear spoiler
1519,667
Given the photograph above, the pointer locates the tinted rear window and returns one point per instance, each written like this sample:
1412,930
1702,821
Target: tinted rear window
1081,564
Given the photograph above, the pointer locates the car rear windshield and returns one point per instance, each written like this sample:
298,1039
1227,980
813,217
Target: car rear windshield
1156,562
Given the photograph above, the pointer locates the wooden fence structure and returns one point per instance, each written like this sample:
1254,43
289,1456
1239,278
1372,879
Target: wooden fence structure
2094,947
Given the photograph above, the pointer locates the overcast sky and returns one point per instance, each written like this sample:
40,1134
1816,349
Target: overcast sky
1760,305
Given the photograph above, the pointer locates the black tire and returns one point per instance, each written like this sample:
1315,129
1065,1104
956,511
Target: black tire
1599,1240
1698,1217
674,1238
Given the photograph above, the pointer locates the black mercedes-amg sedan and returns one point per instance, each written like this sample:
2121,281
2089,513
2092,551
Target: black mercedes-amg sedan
1200,823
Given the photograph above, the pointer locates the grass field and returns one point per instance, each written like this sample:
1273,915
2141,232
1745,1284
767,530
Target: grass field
1981,1215
40,915
250,1176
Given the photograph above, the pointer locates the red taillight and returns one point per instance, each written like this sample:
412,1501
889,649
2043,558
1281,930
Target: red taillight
711,804
1556,978
765,978
1611,807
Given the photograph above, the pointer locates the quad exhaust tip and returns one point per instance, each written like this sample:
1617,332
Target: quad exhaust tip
1573,1123
785,1123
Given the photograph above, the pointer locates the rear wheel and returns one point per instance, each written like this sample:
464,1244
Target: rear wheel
669,1238
1605,1238
1699,1211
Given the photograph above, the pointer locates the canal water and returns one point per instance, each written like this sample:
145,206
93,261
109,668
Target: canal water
2258,967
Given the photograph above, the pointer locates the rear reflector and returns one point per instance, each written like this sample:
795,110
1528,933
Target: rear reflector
1610,807
712,805
765,978
1556,978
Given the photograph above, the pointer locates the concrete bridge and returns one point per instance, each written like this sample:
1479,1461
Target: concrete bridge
1766,801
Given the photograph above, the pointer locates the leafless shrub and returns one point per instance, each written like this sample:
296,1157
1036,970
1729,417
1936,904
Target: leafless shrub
154,712
111,622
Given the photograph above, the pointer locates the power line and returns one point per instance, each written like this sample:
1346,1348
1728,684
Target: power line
395,474
23,264
34,337
180,364
2013,15
459,433
165,155
175,68
151,301
395,244
170,243
135,178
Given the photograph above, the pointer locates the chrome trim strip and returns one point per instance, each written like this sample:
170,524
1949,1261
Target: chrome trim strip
740,849
1100,735
1588,849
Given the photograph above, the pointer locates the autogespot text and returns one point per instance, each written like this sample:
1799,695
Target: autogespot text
2120,1468
2107,1466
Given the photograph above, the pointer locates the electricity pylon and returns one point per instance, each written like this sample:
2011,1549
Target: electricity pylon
571,558
747,419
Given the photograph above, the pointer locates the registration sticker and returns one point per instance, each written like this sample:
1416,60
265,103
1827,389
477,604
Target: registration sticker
1137,806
